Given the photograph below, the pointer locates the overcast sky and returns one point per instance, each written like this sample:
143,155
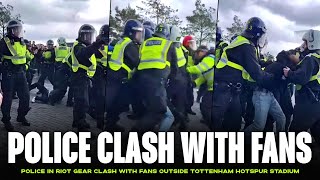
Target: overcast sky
51,19
185,7
282,18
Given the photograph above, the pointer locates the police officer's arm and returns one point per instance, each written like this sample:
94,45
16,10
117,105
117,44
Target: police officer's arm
2,46
202,67
84,53
251,65
172,57
131,55
304,73
199,81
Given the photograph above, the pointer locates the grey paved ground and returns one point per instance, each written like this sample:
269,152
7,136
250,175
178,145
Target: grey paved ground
45,117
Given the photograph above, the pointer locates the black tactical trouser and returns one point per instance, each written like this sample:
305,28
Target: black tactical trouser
117,97
155,100
80,85
136,97
206,106
226,114
247,106
47,71
202,90
177,101
11,82
306,114
189,95
61,85
29,75
99,94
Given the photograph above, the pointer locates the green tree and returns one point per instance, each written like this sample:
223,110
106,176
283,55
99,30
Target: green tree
121,17
202,23
269,56
5,16
156,11
236,28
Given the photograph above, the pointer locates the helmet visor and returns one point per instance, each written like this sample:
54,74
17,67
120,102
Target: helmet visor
17,31
262,41
193,45
139,36
88,36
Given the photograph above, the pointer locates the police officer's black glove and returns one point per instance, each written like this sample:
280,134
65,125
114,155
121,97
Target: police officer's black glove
104,40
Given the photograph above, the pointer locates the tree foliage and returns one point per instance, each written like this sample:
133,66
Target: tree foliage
158,12
5,16
201,24
236,28
117,22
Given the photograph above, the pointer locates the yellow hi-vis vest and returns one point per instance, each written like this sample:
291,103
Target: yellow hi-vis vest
47,55
315,77
18,52
190,61
153,54
61,53
104,60
207,72
180,56
219,50
29,58
116,61
224,61
76,65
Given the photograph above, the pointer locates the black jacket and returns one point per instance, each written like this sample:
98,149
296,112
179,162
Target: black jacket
244,55
305,70
5,51
178,73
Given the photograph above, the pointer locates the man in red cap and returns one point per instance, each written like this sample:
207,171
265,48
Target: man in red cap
189,47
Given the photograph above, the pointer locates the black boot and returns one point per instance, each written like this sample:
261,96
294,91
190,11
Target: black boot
114,128
69,103
92,113
23,120
8,126
7,123
134,116
189,111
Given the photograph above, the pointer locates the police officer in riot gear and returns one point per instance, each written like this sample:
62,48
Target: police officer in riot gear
238,64
205,72
83,63
149,25
158,60
121,67
99,79
220,44
62,74
13,55
306,113
178,84
48,61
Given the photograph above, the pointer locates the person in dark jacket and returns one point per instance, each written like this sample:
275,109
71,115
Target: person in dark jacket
307,79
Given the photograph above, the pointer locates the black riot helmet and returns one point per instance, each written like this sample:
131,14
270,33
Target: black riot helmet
14,28
104,30
163,31
50,44
87,34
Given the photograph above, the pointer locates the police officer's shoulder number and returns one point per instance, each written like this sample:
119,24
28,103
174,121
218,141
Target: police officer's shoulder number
153,43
